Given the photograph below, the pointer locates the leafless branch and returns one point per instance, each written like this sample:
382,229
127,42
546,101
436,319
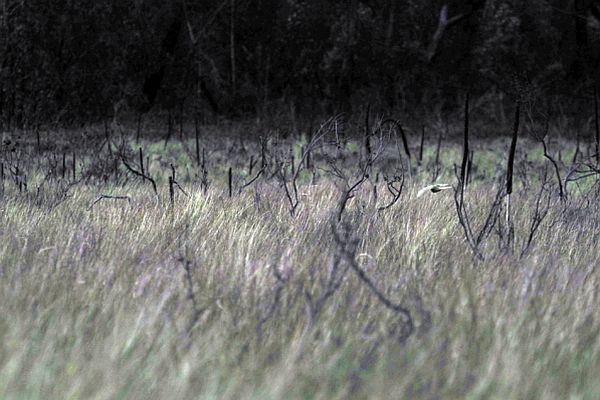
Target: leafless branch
104,196
138,173
251,181
542,205
561,191
443,23
347,246
394,186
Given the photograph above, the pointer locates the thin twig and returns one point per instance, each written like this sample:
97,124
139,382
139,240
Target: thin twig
138,173
105,196
347,248
251,181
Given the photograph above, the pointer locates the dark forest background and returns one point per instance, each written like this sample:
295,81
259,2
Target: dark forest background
67,61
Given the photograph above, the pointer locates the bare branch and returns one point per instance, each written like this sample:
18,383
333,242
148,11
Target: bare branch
138,173
251,181
347,246
443,23
105,196
394,189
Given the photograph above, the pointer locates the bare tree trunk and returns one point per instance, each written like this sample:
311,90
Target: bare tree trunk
509,179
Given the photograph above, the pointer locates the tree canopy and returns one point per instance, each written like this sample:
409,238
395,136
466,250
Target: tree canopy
66,60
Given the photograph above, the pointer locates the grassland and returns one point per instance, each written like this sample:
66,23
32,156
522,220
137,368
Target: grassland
211,296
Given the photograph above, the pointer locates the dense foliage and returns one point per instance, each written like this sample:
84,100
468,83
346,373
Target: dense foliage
66,60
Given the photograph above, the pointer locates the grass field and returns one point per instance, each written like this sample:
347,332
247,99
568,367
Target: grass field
211,296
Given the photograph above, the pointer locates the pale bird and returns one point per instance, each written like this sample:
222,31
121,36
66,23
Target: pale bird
434,188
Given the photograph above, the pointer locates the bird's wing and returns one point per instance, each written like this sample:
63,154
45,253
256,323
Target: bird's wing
436,187
425,189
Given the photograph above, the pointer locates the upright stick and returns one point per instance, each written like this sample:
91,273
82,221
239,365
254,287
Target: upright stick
509,174
465,159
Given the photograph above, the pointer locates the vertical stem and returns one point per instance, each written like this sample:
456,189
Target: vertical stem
508,218
465,160
511,154
509,174
142,165
74,162
597,125
470,167
422,144
230,182
171,191
576,149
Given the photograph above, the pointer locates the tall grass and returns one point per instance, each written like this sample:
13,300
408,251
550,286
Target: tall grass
95,302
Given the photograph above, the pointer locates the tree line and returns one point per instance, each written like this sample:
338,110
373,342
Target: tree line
67,61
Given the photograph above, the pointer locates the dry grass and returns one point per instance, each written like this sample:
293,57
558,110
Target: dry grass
94,303
215,297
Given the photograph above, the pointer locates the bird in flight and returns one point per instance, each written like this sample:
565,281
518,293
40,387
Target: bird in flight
434,188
